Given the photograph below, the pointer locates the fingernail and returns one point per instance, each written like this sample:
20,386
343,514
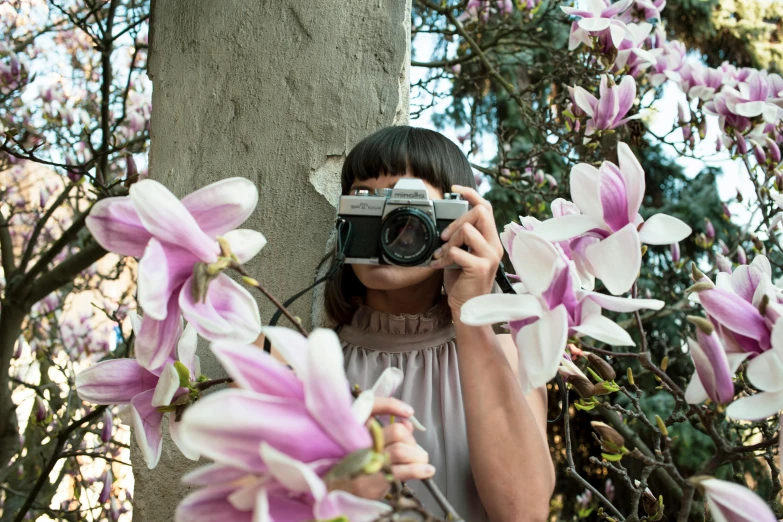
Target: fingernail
445,234
429,469
433,263
408,410
437,253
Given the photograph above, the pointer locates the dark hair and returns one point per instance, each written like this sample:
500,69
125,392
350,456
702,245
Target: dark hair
430,155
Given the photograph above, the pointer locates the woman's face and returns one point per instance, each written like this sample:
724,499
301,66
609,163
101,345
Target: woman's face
390,277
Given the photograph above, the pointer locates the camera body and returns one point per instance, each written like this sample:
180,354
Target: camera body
399,226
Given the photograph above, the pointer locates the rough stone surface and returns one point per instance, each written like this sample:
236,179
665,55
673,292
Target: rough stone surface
277,92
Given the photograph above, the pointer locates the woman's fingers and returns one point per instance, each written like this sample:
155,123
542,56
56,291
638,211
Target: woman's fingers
402,453
398,432
391,406
416,471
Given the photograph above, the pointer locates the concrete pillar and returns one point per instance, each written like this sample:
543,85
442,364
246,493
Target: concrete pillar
277,91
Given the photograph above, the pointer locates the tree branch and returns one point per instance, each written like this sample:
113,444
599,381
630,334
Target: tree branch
66,271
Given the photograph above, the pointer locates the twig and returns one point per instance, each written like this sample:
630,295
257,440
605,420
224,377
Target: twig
448,509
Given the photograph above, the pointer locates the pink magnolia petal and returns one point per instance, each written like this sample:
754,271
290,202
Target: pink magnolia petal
245,244
613,197
176,438
229,312
254,369
662,229
608,106
147,427
328,393
167,219
499,308
114,224
750,109
210,504
541,345
623,244
585,101
213,474
695,392
228,427
114,382
282,507
735,503
290,344
626,93
223,205
712,365
736,314
633,174
157,340
292,474
162,271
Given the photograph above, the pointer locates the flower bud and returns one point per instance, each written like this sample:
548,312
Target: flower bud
114,510
723,263
774,151
611,440
742,145
652,506
739,196
107,483
41,411
675,250
726,211
552,181
662,426
602,368
456,68
742,258
108,426
538,177
709,229
583,387
761,156
629,375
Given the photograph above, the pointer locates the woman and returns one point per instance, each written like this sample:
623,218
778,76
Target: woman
485,442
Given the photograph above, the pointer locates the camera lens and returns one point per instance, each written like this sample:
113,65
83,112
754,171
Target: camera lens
407,236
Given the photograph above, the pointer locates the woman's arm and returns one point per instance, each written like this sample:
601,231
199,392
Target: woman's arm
509,453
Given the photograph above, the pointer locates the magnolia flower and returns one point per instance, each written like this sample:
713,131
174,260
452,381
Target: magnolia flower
631,54
548,308
609,199
752,98
700,81
668,63
173,238
734,305
731,502
608,111
597,17
714,377
275,437
765,372
126,382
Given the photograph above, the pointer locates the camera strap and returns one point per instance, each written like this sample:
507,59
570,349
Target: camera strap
339,261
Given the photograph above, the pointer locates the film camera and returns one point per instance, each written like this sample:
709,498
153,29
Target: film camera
397,226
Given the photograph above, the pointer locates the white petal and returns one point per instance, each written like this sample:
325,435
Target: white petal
388,382
605,330
593,24
625,304
582,98
186,350
633,175
362,405
295,476
167,386
245,243
765,371
499,308
662,229
617,31
586,190
541,347
756,407
536,261
567,227
604,256
695,392
174,428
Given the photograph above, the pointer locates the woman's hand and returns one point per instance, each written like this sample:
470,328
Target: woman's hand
476,229
408,460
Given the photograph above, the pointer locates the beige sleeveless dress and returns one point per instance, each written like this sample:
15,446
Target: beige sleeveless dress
423,347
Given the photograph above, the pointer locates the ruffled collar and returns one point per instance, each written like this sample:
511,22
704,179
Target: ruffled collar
374,321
